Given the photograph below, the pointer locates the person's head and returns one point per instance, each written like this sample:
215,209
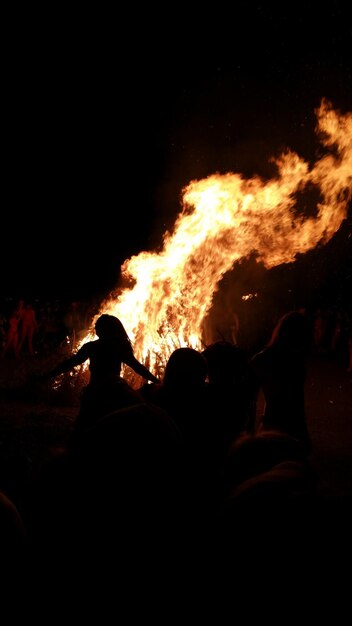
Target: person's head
185,367
291,333
226,363
110,327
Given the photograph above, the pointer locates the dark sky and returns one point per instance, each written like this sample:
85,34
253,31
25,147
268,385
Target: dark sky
105,118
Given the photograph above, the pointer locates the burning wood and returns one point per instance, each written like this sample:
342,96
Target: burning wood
226,218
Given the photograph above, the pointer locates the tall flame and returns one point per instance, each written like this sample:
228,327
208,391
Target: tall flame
226,218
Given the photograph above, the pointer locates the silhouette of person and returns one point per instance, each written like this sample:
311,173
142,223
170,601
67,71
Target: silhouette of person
106,390
28,326
280,370
19,309
183,394
182,391
12,337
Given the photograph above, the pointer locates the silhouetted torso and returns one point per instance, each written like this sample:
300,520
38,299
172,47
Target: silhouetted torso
282,379
106,390
105,359
280,370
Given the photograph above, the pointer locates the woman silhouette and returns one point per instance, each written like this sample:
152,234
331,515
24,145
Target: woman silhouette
106,390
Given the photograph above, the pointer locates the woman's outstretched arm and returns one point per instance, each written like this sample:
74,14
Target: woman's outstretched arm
68,364
140,369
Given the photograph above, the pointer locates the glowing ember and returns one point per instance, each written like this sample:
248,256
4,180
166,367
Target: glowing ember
249,296
226,218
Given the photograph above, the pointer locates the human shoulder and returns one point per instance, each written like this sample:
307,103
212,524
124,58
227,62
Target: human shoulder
87,348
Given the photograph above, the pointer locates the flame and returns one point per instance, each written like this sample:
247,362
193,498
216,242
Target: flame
226,218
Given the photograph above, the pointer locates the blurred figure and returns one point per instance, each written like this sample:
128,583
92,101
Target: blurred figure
19,308
280,371
12,341
28,326
11,344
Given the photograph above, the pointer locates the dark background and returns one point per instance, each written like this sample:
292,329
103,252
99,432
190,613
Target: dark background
106,117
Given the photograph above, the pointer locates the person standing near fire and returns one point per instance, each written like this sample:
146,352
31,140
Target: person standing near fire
279,370
107,390
27,327
11,342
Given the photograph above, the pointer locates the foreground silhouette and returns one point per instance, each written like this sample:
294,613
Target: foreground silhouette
106,390
280,371
114,510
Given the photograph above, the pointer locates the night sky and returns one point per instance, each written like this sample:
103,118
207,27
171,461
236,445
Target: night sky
105,119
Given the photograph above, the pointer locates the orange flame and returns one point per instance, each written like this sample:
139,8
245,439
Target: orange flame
226,218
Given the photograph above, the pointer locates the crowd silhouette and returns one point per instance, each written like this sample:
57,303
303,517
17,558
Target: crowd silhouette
179,472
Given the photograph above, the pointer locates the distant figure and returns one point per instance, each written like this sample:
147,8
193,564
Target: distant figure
280,370
19,308
12,337
28,326
106,390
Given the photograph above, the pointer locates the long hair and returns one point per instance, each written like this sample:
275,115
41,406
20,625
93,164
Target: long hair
110,327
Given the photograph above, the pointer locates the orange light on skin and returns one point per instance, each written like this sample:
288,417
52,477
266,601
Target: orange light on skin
226,218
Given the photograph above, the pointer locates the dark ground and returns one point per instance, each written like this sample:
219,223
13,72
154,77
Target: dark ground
36,422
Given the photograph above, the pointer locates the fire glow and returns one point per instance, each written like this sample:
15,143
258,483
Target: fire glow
226,218
249,296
